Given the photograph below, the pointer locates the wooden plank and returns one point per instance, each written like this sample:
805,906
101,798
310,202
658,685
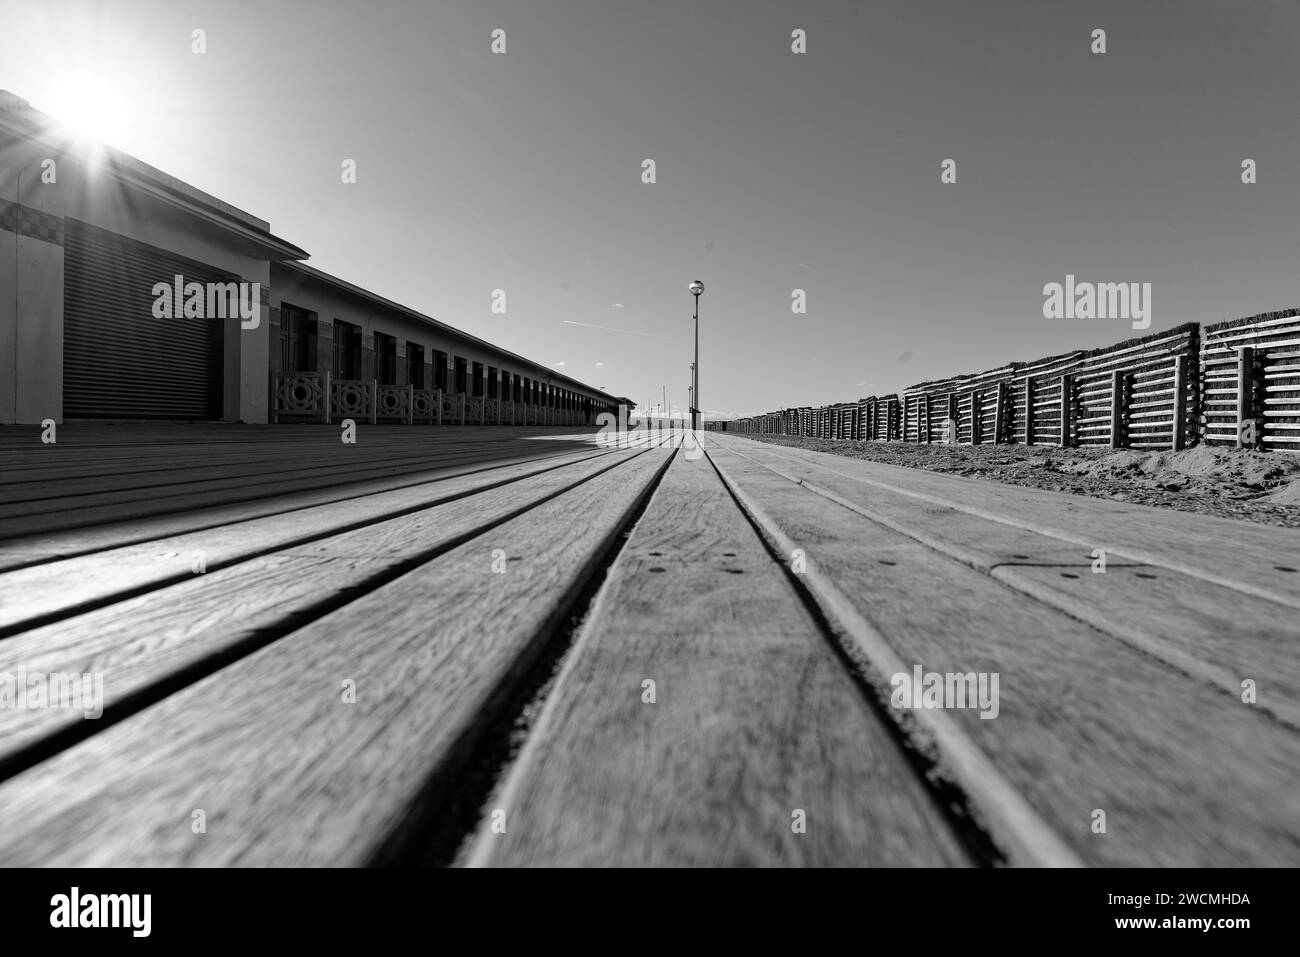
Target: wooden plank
79,511
1211,632
754,719
286,772
1179,541
139,466
1084,723
165,453
66,543
94,470
140,642
59,586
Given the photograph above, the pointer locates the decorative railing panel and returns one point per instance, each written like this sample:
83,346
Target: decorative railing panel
426,406
299,394
352,398
474,410
393,402
453,408
317,396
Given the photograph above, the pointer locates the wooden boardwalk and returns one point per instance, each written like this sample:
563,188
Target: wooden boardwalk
514,646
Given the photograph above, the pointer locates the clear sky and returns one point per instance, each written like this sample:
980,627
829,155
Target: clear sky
775,171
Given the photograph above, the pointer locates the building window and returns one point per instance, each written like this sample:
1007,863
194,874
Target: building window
297,339
415,365
347,350
478,379
385,359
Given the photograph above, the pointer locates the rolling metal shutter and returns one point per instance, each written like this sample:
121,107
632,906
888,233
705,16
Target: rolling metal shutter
118,360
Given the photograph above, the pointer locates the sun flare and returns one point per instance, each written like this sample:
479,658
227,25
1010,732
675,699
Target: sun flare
91,107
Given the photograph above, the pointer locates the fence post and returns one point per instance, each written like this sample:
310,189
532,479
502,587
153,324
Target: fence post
1117,409
374,401
999,412
1067,387
410,405
1246,399
1180,401
1029,410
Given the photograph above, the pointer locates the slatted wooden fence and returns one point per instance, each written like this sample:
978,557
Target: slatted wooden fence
1234,382
1249,381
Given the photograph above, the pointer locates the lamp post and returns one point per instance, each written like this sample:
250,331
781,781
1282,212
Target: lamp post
697,287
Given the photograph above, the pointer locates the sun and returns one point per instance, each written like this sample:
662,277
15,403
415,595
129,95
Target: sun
91,107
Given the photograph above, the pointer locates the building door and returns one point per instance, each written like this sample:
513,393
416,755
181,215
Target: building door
385,359
414,365
297,339
119,361
440,370
347,350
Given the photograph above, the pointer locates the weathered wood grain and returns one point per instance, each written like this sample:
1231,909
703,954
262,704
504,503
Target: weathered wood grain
142,641
30,593
48,514
753,720
1215,633
1243,556
286,772
1185,774
79,540
76,497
